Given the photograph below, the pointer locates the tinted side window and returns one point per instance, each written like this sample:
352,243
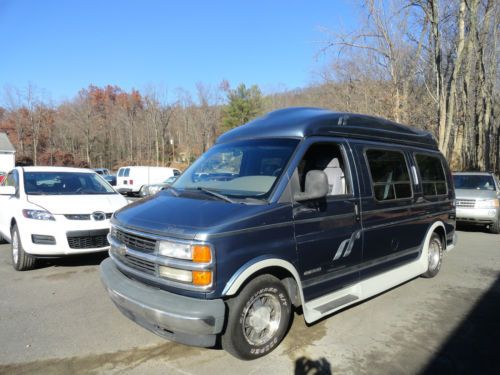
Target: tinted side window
432,174
120,172
127,172
176,172
389,173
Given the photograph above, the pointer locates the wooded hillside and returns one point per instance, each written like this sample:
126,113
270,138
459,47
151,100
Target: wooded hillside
432,64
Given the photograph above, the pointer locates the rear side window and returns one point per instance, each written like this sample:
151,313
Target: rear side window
120,172
126,172
389,173
432,174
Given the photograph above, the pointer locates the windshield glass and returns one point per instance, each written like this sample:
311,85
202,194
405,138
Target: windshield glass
474,182
244,169
65,183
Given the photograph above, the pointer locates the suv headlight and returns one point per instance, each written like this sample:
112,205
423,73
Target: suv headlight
154,189
487,203
38,215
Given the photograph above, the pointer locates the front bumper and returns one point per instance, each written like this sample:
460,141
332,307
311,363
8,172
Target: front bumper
186,320
62,230
477,215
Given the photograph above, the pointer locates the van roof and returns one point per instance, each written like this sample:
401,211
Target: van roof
301,122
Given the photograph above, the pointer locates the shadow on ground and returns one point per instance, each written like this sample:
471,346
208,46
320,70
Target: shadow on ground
473,228
93,259
306,366
473,348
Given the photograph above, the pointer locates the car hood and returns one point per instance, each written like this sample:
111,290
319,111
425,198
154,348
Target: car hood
475,194
78,204
187,217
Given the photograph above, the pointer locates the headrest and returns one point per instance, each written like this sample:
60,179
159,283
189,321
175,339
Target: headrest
334,163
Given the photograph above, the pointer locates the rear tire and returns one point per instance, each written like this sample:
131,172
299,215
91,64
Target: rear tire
258,318
435,256
21,260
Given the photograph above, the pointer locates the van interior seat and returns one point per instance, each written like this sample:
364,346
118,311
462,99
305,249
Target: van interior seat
336,177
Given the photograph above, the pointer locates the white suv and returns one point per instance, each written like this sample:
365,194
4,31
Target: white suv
54,211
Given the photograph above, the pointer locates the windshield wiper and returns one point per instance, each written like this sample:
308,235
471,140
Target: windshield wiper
215,194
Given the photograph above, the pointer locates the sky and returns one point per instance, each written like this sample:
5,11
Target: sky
61,47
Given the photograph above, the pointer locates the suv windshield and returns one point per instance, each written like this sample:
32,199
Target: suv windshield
474,182
243,169
65,183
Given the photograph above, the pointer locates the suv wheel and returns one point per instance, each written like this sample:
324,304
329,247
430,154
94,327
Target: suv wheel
435,256
21,260
495,227
258,318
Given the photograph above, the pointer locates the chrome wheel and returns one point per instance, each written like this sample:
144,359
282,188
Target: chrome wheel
15,248
434,254
261,319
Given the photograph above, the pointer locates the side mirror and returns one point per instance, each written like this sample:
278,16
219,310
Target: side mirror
316,186
7,190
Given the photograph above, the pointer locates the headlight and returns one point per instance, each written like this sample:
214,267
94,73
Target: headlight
38,215
154,189
195,253
487,203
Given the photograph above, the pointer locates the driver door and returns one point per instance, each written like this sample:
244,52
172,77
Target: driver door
328,231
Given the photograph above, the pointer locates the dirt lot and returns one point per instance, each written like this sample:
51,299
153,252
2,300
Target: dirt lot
58,320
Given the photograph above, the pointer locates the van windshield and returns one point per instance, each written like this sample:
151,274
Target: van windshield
243,169
474,182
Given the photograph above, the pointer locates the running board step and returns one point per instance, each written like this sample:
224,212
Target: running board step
336,303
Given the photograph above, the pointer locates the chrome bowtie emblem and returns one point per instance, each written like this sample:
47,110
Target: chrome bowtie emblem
98,216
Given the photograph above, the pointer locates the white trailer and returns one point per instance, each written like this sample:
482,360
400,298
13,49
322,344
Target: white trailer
7,154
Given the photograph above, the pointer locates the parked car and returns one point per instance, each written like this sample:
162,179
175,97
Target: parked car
147,190
2,176
106,174
131,179
478,199
52,211
102,171
302,207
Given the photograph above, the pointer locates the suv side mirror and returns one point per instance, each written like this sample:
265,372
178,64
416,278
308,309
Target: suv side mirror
7,190
316,186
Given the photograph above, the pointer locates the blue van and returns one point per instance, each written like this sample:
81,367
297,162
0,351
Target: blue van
302,207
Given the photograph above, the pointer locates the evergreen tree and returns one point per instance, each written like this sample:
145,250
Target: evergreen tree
244,105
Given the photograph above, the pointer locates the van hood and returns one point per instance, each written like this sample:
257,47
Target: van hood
187,216
78,204
475,194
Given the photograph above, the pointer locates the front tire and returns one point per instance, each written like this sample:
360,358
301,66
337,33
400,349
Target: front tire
21,260
495,227
258,318
435,256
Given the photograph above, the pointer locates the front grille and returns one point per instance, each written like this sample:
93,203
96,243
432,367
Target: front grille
88,239
135,242
139,264
466,203
84,216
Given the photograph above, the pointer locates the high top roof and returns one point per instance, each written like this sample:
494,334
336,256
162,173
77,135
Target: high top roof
300,122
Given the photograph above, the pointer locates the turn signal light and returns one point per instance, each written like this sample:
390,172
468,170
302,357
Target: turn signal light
201,254
202,278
